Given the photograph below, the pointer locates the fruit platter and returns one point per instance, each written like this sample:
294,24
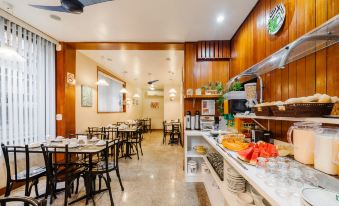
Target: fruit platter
255,150
234,142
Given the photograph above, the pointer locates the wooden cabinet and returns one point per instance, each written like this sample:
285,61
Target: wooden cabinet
213,50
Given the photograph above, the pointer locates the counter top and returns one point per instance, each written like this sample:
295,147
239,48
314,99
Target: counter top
250,174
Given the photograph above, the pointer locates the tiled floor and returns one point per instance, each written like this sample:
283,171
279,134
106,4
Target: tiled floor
156,179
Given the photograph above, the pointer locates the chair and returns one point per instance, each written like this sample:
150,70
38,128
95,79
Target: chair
26,200
92,130
149,125
30,175
61,166
111,132
135,141
107,165
166,130
176,130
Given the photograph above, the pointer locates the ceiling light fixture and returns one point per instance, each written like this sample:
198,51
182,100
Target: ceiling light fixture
9,53
220,18
123,91
136,95
172,91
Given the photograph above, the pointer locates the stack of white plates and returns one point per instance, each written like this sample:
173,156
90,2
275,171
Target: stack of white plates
319,197
235,182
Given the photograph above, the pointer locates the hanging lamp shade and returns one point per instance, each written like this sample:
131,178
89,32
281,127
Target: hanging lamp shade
136,95
172,91
123,90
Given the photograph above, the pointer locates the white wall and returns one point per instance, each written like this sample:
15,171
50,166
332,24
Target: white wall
172,109
157,115
86,74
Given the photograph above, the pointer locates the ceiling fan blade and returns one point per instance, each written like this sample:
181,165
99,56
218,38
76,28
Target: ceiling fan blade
152,82
91,2
50,8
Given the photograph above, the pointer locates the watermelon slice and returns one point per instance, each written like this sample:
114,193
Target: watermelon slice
254,157
246,154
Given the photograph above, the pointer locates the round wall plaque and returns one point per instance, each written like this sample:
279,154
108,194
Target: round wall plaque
276,19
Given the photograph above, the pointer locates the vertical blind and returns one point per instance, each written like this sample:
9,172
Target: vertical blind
27,88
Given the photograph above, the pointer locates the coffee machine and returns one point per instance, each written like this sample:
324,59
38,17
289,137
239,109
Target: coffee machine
188,120
197,120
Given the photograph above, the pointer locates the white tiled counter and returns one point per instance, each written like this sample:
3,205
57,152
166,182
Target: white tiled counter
202,138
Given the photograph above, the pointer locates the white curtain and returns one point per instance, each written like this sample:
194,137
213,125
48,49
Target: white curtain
27,88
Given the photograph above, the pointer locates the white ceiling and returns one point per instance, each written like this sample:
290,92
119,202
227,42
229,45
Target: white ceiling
164,65
139,20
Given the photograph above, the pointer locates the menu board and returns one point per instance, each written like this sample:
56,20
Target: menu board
208,107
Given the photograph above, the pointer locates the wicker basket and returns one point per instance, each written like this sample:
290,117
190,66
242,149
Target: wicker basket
263,111
302,110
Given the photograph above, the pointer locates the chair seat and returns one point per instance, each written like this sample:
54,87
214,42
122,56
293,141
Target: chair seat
73,171
101,167
33,172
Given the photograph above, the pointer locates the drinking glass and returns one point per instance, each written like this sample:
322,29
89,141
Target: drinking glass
261,164
296,187
283,189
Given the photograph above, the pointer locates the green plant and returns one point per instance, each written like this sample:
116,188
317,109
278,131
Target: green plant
236,86
220,101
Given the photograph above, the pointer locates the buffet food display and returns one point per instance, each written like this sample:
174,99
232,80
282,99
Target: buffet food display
316,105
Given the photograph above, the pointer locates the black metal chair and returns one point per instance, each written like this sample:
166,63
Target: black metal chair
25,200
111,132
61,166
176,131
167,129
30,175
135,141
107,164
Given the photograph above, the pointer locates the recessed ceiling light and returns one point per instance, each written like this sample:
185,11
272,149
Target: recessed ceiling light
55,17
220,18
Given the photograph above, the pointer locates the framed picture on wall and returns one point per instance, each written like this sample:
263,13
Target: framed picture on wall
155,105
86,96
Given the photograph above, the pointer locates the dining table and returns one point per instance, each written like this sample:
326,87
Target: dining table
125,136
90,149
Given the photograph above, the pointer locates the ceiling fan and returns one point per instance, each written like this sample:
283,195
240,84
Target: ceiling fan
70,6
152,82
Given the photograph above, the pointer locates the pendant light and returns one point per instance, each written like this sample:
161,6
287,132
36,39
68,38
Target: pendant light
136,96
124,90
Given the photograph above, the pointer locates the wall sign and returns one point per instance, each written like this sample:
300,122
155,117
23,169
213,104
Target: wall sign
276,19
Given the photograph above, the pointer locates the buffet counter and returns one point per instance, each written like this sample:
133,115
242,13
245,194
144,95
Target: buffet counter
247,171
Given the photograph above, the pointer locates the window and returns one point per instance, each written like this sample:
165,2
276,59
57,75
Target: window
27,87
109,97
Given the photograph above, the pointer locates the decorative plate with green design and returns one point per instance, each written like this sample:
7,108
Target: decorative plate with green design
276,19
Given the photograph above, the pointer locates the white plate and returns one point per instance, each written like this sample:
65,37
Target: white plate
320,197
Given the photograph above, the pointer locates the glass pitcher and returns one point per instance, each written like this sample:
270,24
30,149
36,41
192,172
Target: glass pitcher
325,151
302,135
335,150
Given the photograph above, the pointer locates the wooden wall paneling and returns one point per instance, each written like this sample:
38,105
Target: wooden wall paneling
211,50
199,50
314,73
332,76
65,93
203,50
321,17
207,50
